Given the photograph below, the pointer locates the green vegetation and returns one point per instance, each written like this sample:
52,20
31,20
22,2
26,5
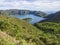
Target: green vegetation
55,17
21,30
51,32
5,39
5,42
14,31
27,19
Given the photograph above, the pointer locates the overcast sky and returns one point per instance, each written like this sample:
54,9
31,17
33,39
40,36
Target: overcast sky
42,5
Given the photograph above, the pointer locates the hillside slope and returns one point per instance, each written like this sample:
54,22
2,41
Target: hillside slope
21,30
51,28
47,33
55,17
5,39
51,31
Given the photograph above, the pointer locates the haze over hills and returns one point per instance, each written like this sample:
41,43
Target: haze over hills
54,17
22,12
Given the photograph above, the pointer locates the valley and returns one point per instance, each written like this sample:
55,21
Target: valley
26,28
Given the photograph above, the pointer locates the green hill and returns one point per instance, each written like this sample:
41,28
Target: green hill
51,31
21,30
55,17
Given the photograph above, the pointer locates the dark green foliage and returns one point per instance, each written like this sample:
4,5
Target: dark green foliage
55,17
51,31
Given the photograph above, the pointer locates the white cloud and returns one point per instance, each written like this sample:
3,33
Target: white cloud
43,5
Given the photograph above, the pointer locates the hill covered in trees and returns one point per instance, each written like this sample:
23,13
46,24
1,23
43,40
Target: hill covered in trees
20,30
14,31
22,12
51,27
51,31
26,34
55,17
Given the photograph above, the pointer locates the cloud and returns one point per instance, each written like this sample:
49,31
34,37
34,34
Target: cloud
43,5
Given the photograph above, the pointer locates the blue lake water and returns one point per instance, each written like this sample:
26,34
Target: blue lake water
35,19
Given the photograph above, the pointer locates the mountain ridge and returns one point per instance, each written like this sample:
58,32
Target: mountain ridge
22,12
54,17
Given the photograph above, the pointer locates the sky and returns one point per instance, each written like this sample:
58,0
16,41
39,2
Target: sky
39,5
